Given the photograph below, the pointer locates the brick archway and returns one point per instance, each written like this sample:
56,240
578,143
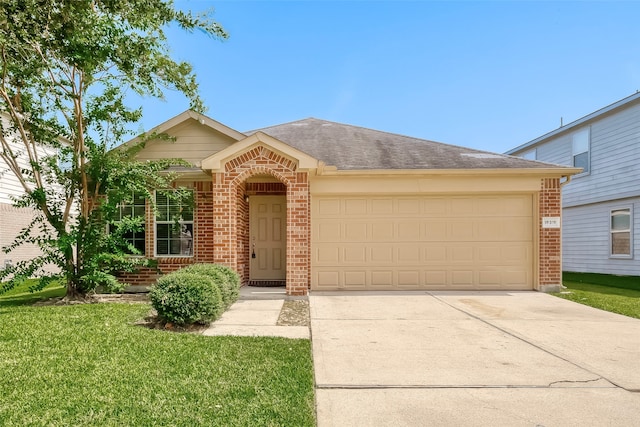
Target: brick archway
230,213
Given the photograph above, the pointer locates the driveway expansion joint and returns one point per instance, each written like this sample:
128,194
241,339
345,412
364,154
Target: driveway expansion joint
444,386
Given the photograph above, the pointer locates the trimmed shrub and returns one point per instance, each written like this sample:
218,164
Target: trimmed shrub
223,277
186,298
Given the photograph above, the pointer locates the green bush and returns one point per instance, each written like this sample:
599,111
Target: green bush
224,277
186,298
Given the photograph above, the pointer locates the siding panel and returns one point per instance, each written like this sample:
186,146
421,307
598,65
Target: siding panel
585,236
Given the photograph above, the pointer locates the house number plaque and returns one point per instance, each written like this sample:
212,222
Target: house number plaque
551,222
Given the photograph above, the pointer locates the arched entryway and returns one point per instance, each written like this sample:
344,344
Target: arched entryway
243,175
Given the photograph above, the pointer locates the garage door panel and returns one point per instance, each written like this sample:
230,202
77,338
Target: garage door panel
355,279
409,206
355,231
409,230
462,278
382,206
381,231
434,230
327,231
409,279
355,254
408,255
458,242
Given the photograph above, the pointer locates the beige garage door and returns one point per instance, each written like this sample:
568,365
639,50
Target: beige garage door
456,242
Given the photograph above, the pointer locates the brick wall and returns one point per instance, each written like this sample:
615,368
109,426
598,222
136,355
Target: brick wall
550,239
229,213
221,220
203,248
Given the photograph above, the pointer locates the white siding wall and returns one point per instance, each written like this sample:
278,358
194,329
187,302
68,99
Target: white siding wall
615,161
13,220
614,180
585,239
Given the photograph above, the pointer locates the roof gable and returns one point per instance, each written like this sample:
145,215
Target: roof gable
193,138
589,118
217,161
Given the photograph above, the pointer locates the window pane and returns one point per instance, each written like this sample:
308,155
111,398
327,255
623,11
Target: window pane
163,231
163,247
187,213
582,161
139,245
138,199
138,211
621,243
581,142
186,239
174,211
620,219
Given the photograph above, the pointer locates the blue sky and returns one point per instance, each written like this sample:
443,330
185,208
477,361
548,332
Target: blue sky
487,75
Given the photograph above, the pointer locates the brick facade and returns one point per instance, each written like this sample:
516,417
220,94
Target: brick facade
550,239
221,222
231,214
202,245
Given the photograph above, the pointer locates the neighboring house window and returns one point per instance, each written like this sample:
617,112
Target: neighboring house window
580,150
621,243
134,208
529,155
174,227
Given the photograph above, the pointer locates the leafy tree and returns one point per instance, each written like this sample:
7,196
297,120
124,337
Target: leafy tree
66,67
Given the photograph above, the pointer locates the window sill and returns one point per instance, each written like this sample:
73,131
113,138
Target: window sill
161,257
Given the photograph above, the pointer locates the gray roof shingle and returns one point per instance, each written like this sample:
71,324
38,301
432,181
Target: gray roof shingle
355,148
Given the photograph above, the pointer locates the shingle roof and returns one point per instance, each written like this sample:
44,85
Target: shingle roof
355,148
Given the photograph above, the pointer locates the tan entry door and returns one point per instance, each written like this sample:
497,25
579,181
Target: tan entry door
267,235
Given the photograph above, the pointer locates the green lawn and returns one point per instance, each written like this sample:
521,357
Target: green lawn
87,365
618,294
21,294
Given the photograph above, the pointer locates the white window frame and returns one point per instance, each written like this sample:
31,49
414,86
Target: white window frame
578,141
187,242
120,208
629,230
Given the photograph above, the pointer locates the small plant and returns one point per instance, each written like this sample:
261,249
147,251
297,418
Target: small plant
186,298
224,277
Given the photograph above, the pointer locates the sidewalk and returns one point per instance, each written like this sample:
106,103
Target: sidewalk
256,314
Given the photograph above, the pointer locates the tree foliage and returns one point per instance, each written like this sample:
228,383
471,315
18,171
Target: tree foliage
66,67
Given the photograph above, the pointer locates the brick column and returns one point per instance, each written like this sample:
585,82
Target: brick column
550,239
229,211
298,236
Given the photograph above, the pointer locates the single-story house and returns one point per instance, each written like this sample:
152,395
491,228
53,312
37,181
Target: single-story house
321,206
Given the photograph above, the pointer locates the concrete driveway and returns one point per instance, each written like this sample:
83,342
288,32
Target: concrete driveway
472,358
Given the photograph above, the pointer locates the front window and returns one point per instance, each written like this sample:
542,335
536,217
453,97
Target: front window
133,235
621,233
174,227
580,150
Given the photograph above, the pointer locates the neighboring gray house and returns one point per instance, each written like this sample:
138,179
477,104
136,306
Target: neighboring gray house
601,205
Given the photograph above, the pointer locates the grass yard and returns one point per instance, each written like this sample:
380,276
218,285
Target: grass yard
87,365
21,294
617,294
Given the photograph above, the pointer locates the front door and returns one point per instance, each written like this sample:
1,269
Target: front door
268,238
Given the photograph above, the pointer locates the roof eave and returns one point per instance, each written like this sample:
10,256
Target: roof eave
581,121
547,172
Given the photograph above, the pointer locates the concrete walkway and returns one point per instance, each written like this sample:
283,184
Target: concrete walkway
472,359
256,314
